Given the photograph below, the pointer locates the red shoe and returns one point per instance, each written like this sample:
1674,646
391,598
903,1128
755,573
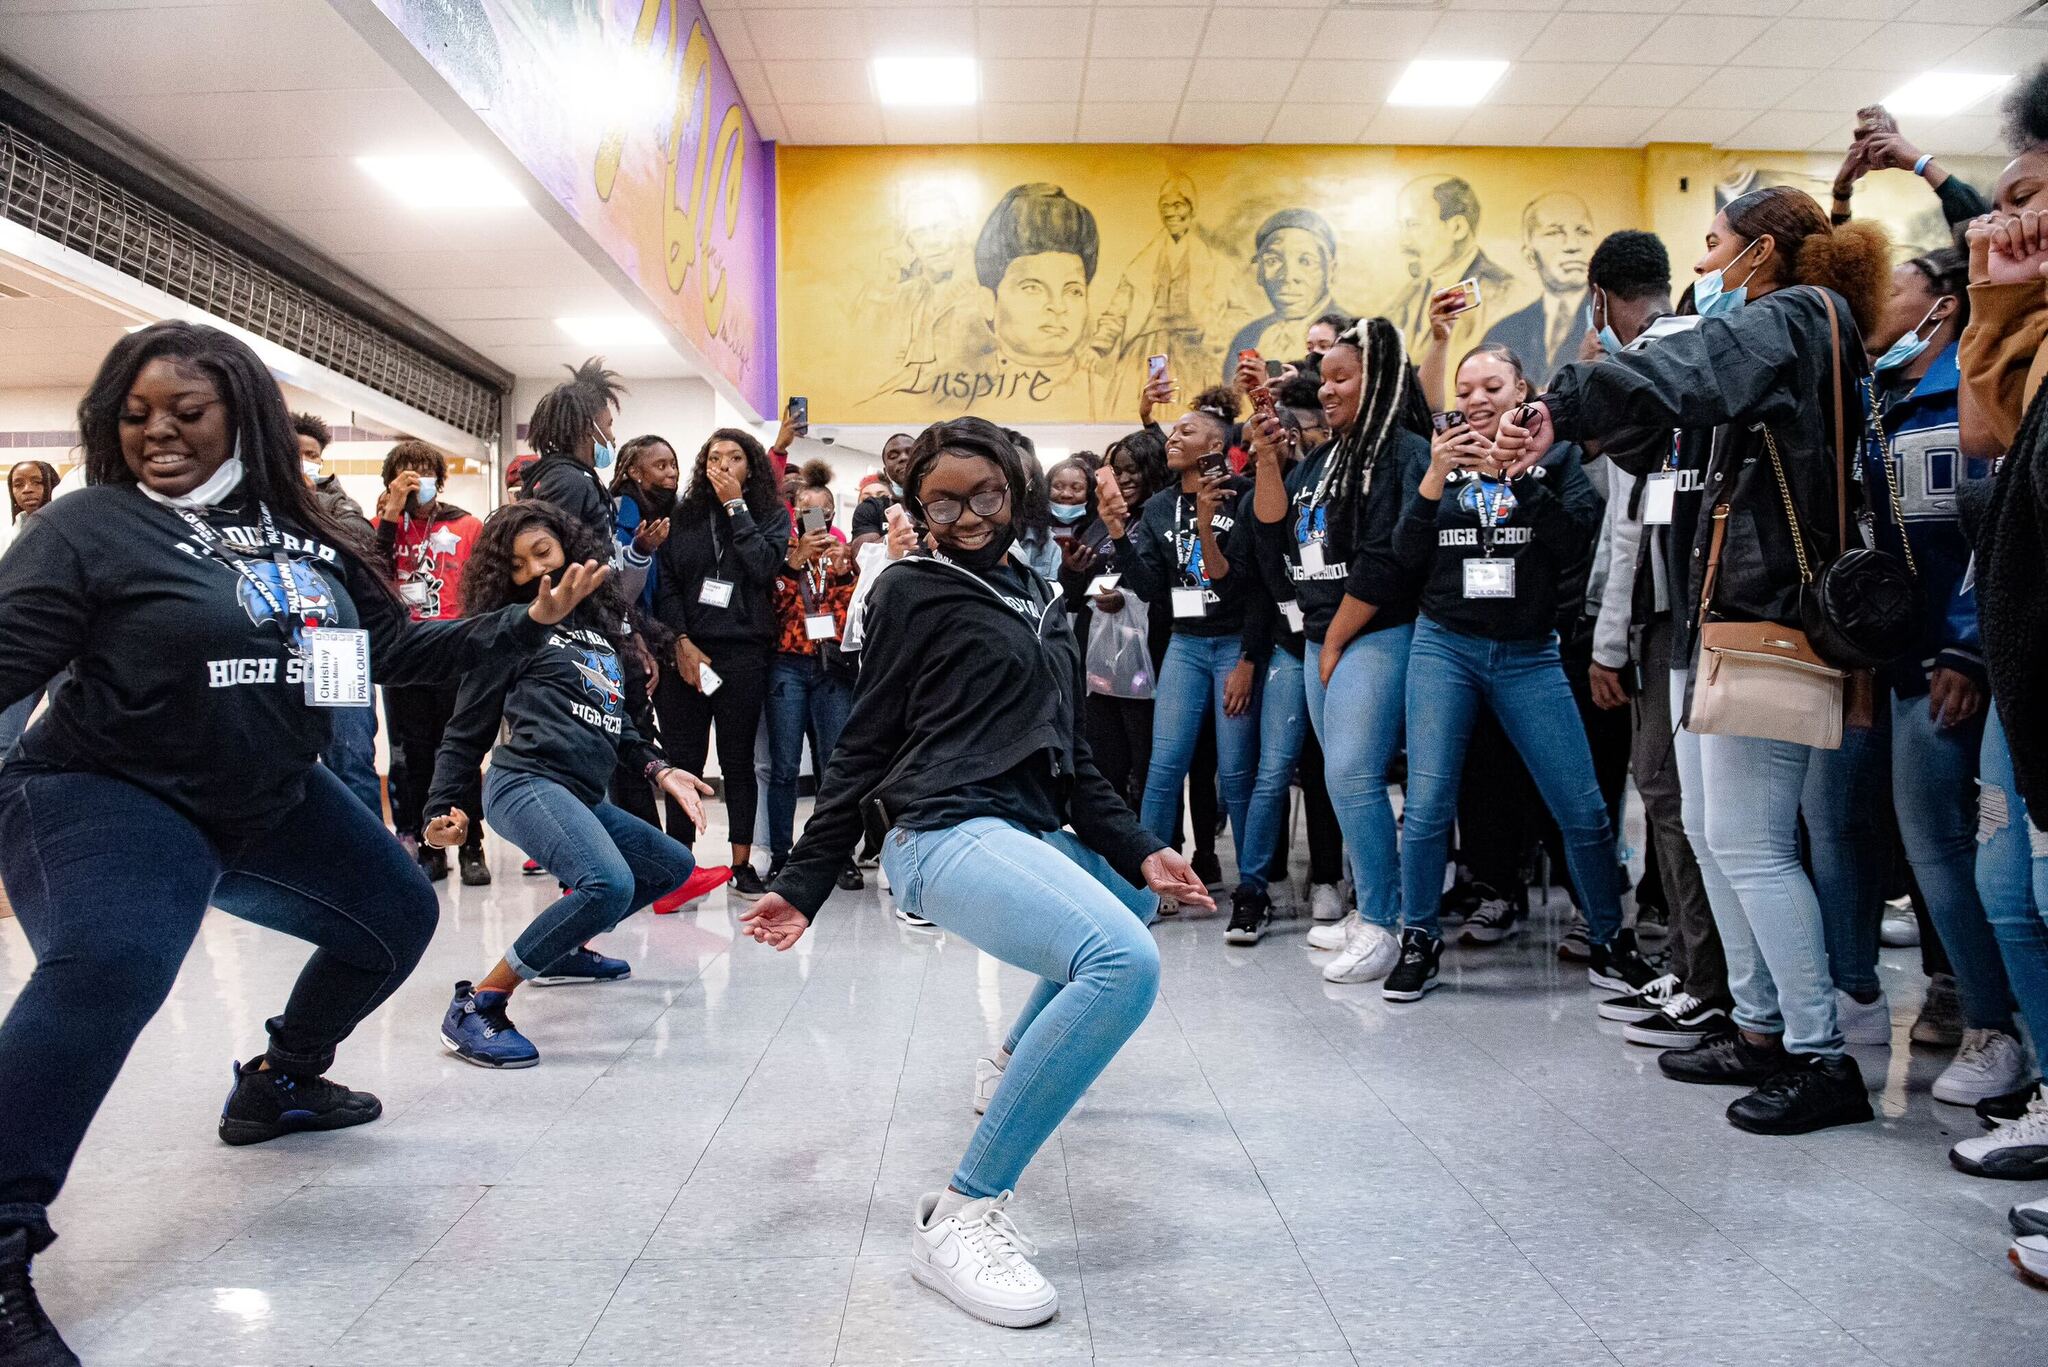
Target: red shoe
700,882
532,869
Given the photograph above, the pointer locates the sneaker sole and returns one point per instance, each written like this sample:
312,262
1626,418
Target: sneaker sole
748,896
1958,1096
1931,1040
1488,935
476,1062
1848,1115
1662,1039
1244,937
1415,995
577,979
2014,1165
1006,1317
2027,1274
1627,1015
241,1132
914,922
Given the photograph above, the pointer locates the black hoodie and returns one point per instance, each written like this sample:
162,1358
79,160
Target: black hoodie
573,487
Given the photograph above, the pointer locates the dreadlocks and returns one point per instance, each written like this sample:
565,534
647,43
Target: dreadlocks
566,413
1387,399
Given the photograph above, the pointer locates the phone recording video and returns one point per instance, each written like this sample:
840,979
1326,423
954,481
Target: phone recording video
1444,422
800,413
1275,369
1463,297
1213,465
814,520
1155,367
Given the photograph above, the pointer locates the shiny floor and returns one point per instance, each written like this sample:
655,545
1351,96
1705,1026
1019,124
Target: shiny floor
716,1163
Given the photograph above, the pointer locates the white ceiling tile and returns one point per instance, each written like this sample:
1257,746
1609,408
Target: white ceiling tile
1147,32
1699,39
1909,47
1421,127
1837,92
731,36
1591,37
1624,6
767,121
1028,122
1962,11
916,126
1793,42
1549,83
151,50
918,32
1382,35
1585,127
1252,33
1962,135
1127,122
1736,87
811,82
752,80
1034,32
2001,49
1520,126
1322,82
1645,84
1216,79
1780,129
295,123
1508,6
1311,124
1476,35
832,123
1852,9
1760,9
1697,125
1136,80
787,33
1224,123
1030,80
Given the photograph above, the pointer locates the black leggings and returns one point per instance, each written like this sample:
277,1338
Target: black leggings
1120,734
687,717
419,715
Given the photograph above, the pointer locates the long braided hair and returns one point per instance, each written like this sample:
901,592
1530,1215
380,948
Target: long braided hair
1389,401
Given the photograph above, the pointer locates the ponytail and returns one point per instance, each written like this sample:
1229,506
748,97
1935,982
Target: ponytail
1854,260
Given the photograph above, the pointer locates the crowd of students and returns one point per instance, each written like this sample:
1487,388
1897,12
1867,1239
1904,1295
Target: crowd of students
1771,547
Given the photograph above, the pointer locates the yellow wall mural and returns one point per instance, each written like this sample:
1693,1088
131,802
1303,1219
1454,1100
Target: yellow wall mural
1030,284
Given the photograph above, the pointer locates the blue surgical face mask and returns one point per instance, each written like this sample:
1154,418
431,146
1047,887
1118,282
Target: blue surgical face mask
1610,342
1908,348
603,453
1711,300
895,489
1069,512
429,486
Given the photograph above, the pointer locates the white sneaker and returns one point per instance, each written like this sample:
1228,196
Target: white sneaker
977,1259
1331,935
1861,1024
1369,953
2029,1253
988,1075
1325,903
911,918
2028,1217
1900,929
2017,1150
1989,1063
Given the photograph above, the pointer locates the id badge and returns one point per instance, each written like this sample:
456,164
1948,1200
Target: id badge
1292,611
1311,556
413,592
1489,578
716,593
1658,496
337,667
707,679
1103,583
1189,603
819,626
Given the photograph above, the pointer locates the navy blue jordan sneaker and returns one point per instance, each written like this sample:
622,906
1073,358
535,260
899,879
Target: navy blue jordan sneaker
583,966
478,1031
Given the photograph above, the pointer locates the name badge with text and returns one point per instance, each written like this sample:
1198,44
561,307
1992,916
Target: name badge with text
1189,603
337,667
1658,495
1489,578
1311,556
819,626
716,593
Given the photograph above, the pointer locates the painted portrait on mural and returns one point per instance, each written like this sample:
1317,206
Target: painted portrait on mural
925,274
1438,222
1294,258
1557,245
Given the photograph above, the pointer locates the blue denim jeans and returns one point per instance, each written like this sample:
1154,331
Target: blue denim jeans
1191,683
111,884
1358,718
802,701
14,721
1283,719
1849,848
2012,879
1051,906
610,860
1449,674
1740,802
352,755
1934,789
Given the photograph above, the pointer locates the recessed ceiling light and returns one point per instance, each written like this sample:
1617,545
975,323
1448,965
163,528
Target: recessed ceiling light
443,182
615,329
926,81
1940,93
1446,83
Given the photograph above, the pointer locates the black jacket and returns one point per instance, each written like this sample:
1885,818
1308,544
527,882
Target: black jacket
1764,367
575,488
958,687
1156,550
715,544
871,517
1369,571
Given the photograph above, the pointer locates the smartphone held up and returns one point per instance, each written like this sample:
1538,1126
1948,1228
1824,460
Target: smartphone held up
1457,299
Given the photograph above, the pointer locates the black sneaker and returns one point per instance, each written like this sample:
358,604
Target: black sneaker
1725,1060
1684,1022
1995,1110
850,879
435,862
1415,975
267,1103
1494,919
747,883
1619,968
1816,1092
27,1338
1640,1005
475,872
1251,913
1209,869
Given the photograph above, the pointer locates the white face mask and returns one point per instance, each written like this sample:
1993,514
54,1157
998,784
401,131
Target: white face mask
223,482
311,469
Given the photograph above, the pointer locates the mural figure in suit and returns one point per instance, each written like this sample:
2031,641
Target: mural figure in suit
1438,225
1557,243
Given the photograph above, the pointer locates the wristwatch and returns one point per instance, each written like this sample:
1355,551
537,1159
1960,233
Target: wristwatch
735,505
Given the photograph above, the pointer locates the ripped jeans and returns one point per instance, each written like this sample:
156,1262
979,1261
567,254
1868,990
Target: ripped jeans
2012,879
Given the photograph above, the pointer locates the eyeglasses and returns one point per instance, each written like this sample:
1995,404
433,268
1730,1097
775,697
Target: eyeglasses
946,511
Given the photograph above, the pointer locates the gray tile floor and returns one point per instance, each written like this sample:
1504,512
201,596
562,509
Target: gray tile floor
716,1161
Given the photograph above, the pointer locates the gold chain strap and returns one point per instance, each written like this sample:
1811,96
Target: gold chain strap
1791,513
1891,479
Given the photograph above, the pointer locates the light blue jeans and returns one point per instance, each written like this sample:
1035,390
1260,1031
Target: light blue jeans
1283,715
2012,879
352,755
1934,788
1191,683
1740,804
1358,718
1449,673
1051,906
1849,847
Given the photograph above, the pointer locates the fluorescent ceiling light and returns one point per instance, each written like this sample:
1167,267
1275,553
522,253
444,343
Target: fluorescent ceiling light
616,329
443,182
1940,93
926,81
1446,83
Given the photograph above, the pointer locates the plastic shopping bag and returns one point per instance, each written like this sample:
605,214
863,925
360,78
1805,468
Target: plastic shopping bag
1119,657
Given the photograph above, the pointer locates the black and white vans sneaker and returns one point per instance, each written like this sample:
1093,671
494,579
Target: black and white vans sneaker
1416,975
1684,1022
1251,914
1493,920
1619,968
1641,1005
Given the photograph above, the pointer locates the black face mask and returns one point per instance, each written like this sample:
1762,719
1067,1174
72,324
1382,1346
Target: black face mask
985,557
657,502
525,593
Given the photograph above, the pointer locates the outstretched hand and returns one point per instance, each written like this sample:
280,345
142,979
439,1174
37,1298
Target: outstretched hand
1170,875
688,790
774,922
554,601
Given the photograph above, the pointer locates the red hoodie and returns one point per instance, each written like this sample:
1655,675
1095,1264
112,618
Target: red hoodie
427,556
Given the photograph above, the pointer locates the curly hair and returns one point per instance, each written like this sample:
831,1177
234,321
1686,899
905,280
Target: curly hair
487,575
566,413
1220,404
413,455
314,426
1854,260
761,491
2026,111
815,474
1631,264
